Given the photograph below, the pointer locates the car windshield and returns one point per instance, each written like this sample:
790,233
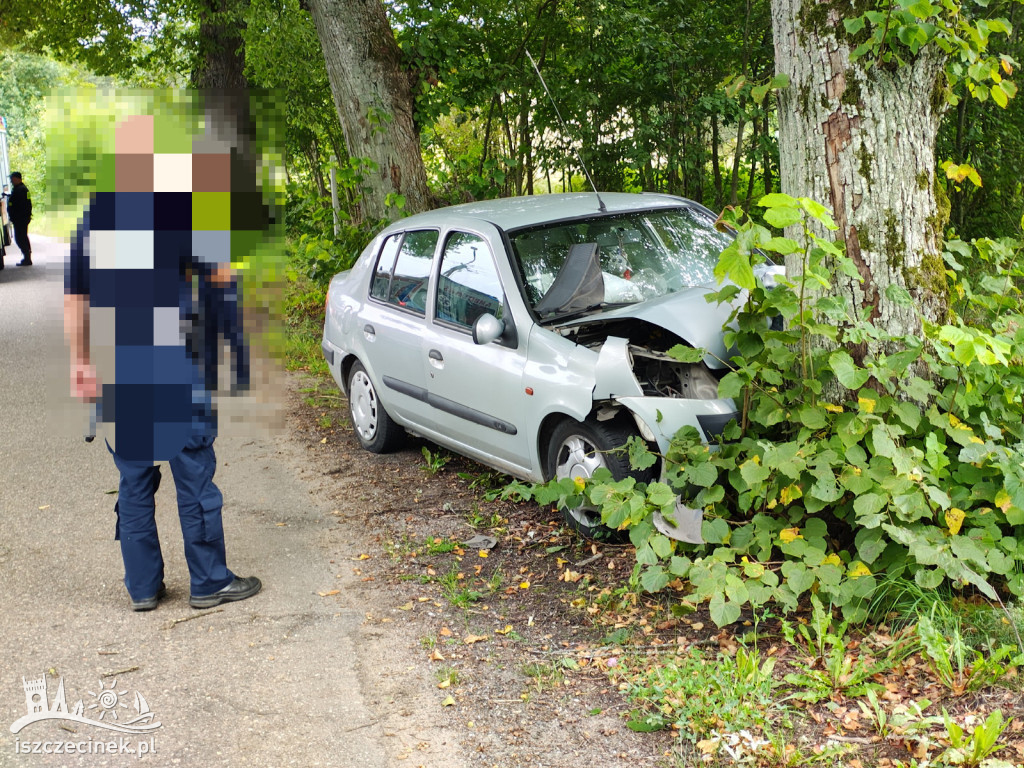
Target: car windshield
642,255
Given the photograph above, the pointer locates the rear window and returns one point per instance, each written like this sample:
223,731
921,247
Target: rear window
403,270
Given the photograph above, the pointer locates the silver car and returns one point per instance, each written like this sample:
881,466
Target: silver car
530,334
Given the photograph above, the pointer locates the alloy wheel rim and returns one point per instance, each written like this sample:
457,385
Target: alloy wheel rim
578,457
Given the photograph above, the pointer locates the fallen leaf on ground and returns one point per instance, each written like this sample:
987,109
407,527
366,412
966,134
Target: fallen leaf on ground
329,592
708,746
470,639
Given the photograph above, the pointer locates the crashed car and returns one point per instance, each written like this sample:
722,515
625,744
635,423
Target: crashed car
531,334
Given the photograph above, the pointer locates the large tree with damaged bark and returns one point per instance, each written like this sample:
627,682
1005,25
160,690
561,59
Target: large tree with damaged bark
373,95
868,85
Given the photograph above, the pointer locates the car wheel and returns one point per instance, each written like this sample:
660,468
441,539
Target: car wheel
578,450
375,430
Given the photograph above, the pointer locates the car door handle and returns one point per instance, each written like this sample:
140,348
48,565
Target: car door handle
436,358
369,332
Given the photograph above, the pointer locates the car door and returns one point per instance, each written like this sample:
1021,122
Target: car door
477,387
393,323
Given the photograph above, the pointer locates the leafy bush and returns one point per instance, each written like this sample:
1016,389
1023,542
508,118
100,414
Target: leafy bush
906,461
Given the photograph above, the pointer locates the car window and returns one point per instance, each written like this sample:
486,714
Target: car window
403,271
468,285
385,266
643,255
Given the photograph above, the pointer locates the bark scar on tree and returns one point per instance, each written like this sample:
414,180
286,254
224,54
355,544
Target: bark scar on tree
838,133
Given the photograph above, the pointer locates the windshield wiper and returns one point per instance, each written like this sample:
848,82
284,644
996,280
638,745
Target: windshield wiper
586,310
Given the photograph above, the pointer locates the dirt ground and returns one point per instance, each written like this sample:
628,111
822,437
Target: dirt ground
468,663
507,649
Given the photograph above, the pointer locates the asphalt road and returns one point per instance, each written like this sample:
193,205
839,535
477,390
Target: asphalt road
276,680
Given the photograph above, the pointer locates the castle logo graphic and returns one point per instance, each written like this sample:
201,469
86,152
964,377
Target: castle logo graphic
109,708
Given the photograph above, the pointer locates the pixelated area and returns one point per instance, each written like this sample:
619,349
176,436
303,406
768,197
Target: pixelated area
171,284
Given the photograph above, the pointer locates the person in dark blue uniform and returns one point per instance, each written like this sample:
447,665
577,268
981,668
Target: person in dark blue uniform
19,210
148,290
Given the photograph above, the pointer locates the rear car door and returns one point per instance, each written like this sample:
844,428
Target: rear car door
394,320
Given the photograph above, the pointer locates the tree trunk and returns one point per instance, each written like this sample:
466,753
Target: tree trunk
374,101
716,163
863,142
220,64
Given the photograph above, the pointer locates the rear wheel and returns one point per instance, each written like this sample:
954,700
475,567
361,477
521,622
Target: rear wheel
375,430
580,449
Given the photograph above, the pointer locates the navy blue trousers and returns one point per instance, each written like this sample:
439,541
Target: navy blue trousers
199,510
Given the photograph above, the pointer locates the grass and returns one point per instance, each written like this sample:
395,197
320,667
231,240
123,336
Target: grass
703,695
304,310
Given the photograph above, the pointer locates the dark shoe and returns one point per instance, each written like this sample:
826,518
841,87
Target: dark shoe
150,602
239,589
25,263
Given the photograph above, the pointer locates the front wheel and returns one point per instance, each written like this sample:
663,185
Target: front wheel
375,429
578,450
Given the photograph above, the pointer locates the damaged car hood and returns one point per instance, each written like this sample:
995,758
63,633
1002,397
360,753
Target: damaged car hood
684,313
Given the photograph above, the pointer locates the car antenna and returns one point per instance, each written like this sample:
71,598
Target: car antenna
600,202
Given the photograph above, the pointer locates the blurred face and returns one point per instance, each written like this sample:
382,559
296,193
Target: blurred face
15,180
133,150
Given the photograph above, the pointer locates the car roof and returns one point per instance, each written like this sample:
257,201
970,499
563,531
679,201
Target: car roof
516,212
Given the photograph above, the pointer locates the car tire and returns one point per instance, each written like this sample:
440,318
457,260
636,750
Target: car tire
578,450
375,430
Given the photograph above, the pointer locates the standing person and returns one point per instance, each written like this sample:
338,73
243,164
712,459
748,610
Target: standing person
19,210
141,254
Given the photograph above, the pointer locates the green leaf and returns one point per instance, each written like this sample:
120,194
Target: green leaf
687,354
813,417
735,265
722,611
643,726
640,456
777,200
731,385
703,474
853,26
999,96
870,544
782,245
797,576
869,504
680,566
715,530
758,93
847,372
654,579
922,9
660,495
782,217
899,295
753,472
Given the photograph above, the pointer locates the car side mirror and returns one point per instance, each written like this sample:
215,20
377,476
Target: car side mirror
487,328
